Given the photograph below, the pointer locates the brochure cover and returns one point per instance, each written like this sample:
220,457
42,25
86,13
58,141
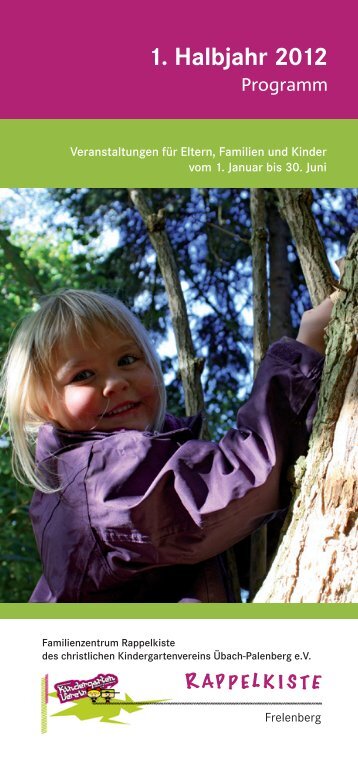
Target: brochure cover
178,450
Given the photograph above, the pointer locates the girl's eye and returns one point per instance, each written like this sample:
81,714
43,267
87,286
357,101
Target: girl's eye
127,360
82,376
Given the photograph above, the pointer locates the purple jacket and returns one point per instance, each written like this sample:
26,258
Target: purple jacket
141,516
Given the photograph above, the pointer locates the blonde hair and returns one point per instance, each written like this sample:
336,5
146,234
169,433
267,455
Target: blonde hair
29,364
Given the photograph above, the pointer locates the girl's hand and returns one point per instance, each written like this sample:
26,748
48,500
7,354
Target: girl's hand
313,325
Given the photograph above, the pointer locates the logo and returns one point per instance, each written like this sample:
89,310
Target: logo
71,690
97,698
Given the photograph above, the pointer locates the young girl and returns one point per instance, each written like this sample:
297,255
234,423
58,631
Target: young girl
130,505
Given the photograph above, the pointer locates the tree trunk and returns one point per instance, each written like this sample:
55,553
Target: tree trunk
317,559
280,274
258,543
295,206
190,366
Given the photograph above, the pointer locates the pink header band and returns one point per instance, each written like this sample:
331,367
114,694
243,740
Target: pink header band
83,60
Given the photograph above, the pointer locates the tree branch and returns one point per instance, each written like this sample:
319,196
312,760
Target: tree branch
230,234
295,206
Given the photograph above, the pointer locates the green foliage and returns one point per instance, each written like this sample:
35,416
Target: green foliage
20,565
52,263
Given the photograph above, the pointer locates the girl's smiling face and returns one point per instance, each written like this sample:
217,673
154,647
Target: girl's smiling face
102,383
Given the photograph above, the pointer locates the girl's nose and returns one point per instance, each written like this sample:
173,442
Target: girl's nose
115,383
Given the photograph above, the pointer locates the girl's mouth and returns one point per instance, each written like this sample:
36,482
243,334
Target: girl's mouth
119,409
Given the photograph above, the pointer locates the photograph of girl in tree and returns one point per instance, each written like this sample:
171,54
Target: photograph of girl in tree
134,503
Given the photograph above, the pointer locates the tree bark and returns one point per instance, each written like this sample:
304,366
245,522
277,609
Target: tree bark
295,206
190,365
317,559
280,275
